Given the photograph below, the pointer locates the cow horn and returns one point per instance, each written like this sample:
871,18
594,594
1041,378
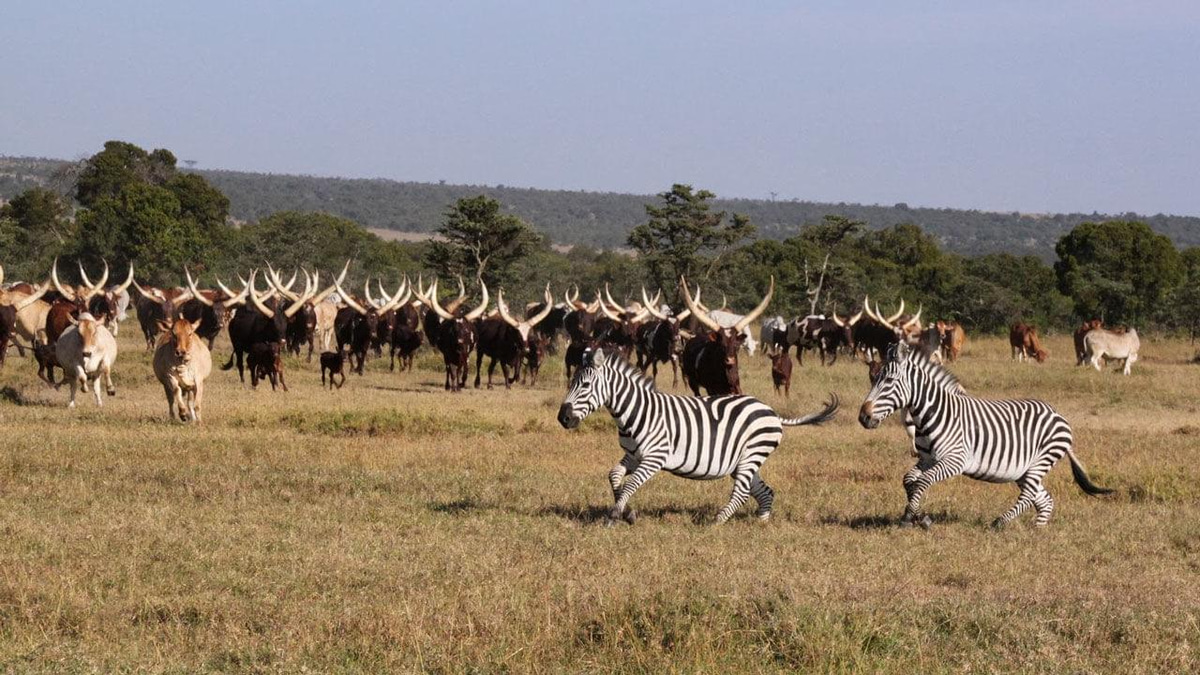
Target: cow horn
83,275
916,320
309,290
652,307
537,318
838,321
504,311
103,280
604,308
320,297
231,297
437,306
367,294
854,319
724,302
403,294
153,297
57,284
754,313
128,280
259,302
700,314
595,305
422,293
454,304
192,286
350,302
1,274
32,298
608,296
478,311
897,315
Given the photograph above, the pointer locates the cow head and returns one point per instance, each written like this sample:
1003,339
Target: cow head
461,325
524,327
182,335
728,338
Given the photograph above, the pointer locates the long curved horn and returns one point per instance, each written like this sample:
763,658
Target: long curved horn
754,313
32,298
867,308
838,321
403,293
258,302
724,302
454,304
320,297
367,295
608,296
604,308
195,292
1,274
421,293
478,311
537,318
854,319
124,286
900,312
504,311
309,290
350,302
103,280
157,296
83,275
437,306
652,307
57,284
232,298
879,317
700,314
916,318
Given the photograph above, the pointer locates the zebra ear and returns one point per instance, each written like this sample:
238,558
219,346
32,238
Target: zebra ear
598,358
900,351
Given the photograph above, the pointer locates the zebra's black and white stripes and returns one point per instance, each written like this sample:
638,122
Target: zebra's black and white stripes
698,438
998,441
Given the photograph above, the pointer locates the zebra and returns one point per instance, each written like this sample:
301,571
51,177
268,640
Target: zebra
998,441
698,438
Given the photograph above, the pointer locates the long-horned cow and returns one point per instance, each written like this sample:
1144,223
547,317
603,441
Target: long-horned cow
710,360
22,315
182,362
455,335
357,325
659,340
86,352
264,319
504,339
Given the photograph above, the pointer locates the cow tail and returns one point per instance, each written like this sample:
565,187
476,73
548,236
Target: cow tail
816,418
229,365
1081,477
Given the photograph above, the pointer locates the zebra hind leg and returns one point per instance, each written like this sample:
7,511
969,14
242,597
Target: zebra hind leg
1028,497
741,492
763,495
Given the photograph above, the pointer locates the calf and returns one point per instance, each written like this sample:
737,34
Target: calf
406,337
47,362
86,351
265,363
535,356
334,363
781,370
953,337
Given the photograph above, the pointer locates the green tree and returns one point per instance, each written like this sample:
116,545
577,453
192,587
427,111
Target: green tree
1183,306
34,228
480,241
142,224
119,164
1120,271
685,237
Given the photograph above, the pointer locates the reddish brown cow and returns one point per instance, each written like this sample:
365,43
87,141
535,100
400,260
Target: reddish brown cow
1025,342
1080,350
953,337
781,370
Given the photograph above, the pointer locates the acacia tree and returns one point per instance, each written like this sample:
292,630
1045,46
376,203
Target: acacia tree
685,237
477,239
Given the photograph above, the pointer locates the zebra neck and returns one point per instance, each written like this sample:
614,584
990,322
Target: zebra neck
622,404
927,398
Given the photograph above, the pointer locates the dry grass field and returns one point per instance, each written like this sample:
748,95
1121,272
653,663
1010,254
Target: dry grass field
390,526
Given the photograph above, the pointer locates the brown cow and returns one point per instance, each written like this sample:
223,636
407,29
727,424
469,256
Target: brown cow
1023,338
1080,350
953,337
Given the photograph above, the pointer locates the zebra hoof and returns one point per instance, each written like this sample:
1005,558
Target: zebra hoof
926,522
906,522
998,524
630,516
764,517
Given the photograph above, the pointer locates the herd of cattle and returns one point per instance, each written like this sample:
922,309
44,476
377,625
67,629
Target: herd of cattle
72,329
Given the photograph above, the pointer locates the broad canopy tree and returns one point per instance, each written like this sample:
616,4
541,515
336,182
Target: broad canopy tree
479,240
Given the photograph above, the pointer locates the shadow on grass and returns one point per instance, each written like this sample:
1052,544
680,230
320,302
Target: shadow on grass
10,394
879,521
457,507
599,514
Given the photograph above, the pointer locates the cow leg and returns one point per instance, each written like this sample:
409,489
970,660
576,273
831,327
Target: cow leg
74,387
282,381
504,370
169,390
1129,362
1096,357
491,370
108,383
197,399
96,390
479,369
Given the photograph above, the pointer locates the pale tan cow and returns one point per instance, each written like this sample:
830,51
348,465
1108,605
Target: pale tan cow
86,351
182,363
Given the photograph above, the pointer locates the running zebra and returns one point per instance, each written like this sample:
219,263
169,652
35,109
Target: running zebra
698,438
999,441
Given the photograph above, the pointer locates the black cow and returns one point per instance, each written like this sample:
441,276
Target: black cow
710,359
505,340
455,336
406,336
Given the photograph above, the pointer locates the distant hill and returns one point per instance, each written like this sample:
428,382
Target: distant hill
604,218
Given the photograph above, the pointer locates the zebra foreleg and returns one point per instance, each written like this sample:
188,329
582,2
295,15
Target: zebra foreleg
646,468
947,468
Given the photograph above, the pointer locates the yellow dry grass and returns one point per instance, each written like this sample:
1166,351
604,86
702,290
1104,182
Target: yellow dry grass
390,526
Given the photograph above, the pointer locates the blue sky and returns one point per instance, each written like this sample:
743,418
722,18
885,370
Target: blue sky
1030,106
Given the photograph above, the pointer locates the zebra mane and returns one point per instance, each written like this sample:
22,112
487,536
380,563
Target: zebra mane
619,365
942,378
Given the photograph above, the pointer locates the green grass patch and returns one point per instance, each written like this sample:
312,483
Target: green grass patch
389,422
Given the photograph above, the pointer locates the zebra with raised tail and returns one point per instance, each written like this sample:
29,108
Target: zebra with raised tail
999,441
697,438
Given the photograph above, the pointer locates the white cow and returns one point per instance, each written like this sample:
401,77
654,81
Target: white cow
86,351
1103,344
728,320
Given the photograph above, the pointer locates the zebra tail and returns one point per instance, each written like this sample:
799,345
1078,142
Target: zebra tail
1081,477
816,418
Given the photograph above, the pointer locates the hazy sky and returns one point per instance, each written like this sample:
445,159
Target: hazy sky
1031,106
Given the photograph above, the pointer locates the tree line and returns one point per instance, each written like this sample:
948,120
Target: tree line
128,204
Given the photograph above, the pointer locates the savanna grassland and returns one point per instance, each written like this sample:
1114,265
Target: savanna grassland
390,526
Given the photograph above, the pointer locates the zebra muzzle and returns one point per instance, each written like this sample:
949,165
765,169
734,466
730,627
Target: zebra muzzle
866,415
567,418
